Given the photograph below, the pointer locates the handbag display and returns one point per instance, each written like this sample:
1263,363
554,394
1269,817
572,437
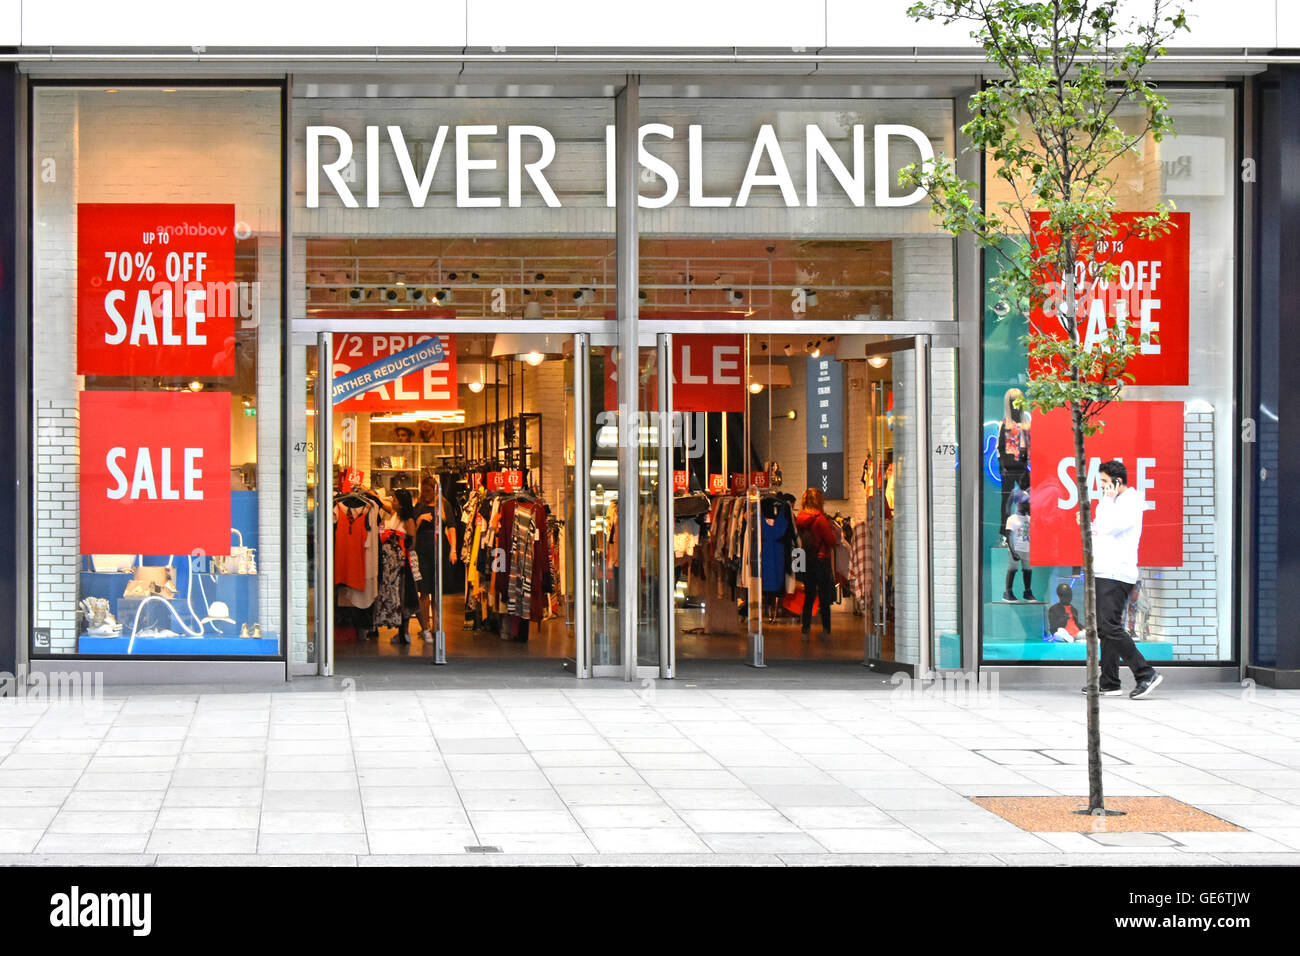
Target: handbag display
112,563
157,580
241,560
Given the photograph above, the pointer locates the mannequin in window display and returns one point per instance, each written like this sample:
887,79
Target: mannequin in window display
1017,529
1013,452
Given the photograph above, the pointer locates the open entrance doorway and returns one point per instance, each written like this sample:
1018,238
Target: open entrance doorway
446,496
813,510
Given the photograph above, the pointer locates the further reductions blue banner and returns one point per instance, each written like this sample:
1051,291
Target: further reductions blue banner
825,390
386,370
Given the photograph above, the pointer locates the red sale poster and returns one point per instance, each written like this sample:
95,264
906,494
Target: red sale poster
156,291
1148,438
1151,295
155,472
428,389
708,374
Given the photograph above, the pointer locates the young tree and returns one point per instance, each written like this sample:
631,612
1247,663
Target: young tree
1069,101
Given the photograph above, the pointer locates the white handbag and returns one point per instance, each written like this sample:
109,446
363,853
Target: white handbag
241,560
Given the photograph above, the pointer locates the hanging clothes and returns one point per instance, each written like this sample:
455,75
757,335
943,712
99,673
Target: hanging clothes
776,529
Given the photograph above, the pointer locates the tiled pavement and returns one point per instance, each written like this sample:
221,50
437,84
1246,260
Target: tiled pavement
601,773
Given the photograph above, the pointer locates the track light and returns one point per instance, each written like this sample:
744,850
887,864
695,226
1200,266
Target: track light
878,361
400,280
735,295
811,298
755,387
787,349
390,295
356,295
414,295
476,387
451,276
443,296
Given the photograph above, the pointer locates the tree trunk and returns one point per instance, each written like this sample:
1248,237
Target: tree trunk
1096,800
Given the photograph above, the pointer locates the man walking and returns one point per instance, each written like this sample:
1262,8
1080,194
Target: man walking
1115,534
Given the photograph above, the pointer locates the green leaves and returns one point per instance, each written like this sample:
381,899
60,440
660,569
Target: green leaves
1070,101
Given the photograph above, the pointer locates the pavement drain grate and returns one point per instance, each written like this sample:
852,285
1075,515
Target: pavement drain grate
482,849
1132,839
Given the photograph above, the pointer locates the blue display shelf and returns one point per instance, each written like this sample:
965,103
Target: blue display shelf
266,646
1054,651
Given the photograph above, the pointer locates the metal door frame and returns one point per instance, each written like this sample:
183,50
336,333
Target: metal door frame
919,346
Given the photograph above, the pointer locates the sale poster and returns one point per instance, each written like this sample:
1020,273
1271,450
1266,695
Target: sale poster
156,290
1150,295
1148,438
708,374
155,472
430,388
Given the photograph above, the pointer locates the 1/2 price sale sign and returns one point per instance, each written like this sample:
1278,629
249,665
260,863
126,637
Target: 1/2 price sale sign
156,292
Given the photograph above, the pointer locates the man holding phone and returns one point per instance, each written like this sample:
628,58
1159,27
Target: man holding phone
1116,530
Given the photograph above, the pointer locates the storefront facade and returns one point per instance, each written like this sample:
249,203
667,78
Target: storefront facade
207,265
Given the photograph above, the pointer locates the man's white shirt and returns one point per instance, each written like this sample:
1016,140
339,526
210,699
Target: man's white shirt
1115,534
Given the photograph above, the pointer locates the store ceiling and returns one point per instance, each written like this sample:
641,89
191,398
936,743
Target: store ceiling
574,278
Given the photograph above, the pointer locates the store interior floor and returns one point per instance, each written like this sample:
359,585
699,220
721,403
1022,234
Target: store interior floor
552,640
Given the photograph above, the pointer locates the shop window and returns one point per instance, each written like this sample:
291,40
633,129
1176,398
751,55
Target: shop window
156,356
1173,431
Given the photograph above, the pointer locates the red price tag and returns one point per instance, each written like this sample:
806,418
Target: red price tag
505,480
681,480
758,479
738,482
717,484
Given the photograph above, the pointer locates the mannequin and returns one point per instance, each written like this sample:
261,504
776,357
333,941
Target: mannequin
1013,452
1017,528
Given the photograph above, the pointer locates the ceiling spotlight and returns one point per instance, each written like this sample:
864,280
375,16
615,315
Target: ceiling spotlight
415,295
735,295
540,276
472,275
401,280
476,387
878,361
451,276
356,295
787,350
811,298
642,295
549,292
443,295
390,295
755,387
196,386
534,358
762,346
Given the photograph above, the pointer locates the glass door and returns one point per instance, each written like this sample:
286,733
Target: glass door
912,524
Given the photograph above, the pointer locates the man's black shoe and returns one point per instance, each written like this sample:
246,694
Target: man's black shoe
1145,688
1106,692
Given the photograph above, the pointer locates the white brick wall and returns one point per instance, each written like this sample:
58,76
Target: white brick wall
1184,601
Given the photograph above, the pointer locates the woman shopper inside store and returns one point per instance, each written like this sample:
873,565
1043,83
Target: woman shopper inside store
817,537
